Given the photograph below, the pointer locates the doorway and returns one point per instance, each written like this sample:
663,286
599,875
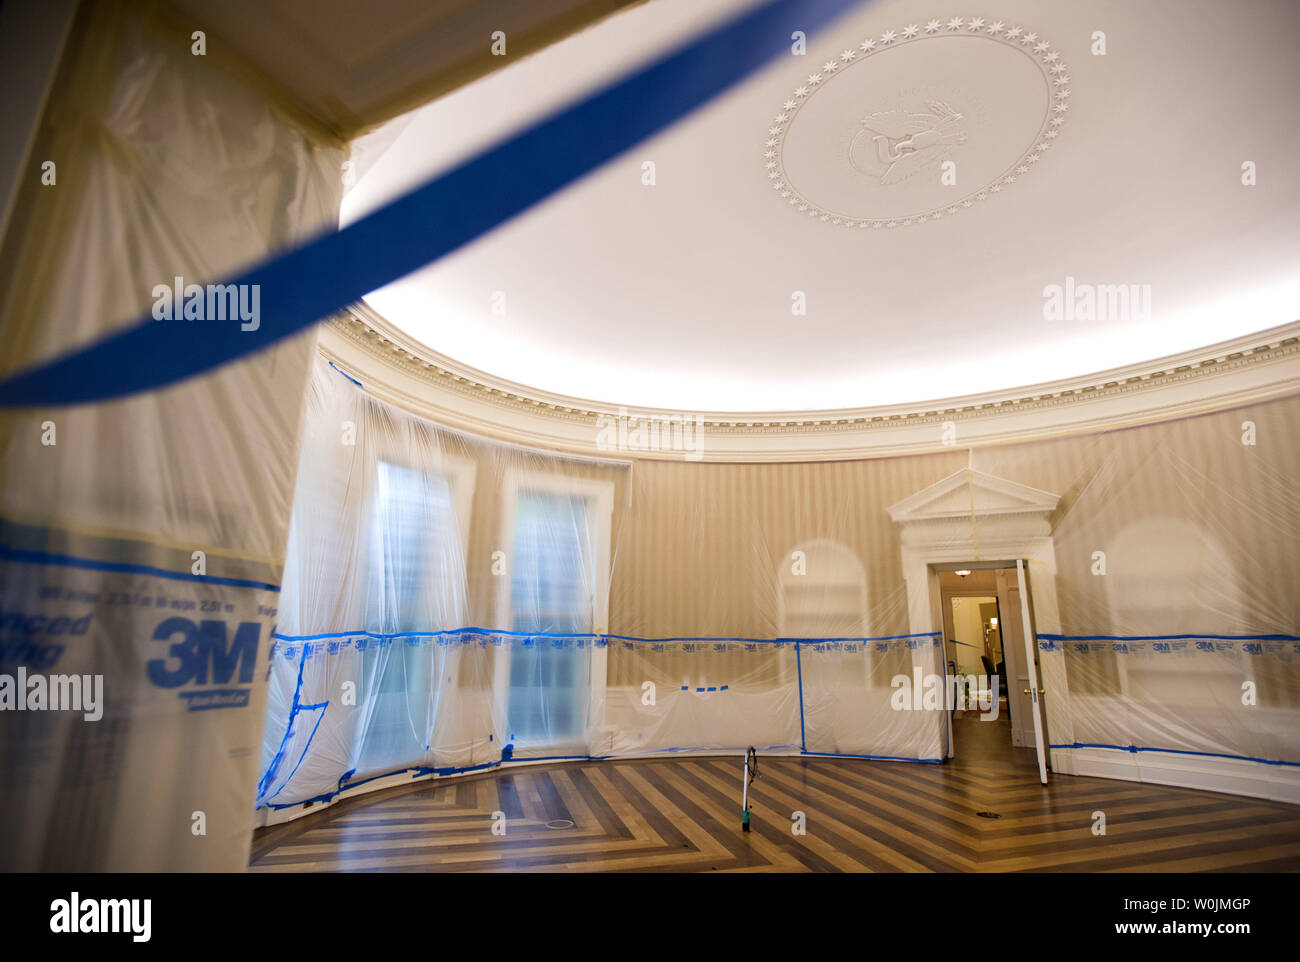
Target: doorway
971,514
982,619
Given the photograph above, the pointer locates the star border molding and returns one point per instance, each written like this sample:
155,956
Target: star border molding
1032,44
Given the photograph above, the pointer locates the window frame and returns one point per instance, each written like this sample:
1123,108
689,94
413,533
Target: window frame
600,497
460,476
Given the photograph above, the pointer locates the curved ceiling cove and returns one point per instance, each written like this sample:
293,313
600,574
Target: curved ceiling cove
918,123
912,204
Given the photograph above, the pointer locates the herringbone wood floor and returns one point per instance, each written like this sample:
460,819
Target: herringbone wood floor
682,815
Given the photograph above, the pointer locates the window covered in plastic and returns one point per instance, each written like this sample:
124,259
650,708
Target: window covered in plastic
550,594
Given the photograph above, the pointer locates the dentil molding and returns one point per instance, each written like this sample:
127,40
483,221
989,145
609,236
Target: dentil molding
395,367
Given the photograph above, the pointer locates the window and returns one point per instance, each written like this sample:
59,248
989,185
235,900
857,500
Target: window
559,562
415,583
550,592
417,570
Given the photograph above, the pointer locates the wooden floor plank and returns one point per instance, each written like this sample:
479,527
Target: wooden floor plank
682,814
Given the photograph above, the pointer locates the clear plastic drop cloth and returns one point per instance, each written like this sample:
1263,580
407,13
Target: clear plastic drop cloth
453,604
445,601
142,540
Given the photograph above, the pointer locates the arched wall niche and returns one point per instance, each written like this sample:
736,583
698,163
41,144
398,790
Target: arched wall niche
822,591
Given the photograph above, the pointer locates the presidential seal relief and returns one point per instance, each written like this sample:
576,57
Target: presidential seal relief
895,144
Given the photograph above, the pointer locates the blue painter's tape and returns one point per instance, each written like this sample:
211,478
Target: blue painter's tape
362,632
271,770
471,630
922,634
798,663
421,771
339,267
878,758
314,728
347,375
1134,749
90,564
1168,637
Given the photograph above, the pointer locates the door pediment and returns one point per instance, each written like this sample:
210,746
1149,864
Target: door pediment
968,492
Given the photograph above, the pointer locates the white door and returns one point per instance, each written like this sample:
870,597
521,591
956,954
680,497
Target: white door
1031,668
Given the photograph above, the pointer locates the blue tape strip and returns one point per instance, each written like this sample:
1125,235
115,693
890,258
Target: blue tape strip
314,728
798,665
347,375
438,634
710,748
417,771
340,267
560,634
69,561
921,634
269,777
1134,749
295,708
1167,637
878,758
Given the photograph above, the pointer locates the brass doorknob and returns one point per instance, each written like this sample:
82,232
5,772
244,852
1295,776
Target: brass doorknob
1041,691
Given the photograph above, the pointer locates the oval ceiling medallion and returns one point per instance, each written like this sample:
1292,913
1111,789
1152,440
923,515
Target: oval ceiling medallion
918,123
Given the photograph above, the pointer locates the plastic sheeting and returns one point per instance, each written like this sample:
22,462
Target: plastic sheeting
143,539
392,653
452,603
446,608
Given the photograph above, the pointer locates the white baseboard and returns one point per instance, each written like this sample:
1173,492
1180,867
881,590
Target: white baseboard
1233,776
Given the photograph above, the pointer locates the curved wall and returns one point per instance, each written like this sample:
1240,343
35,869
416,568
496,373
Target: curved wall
699,551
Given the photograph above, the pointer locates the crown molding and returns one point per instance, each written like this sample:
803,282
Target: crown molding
395,367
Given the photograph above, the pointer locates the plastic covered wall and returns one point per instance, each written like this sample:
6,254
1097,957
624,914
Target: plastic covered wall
454,604
445,601
142,541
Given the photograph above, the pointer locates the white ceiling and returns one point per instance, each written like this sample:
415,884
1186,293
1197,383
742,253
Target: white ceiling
679,295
